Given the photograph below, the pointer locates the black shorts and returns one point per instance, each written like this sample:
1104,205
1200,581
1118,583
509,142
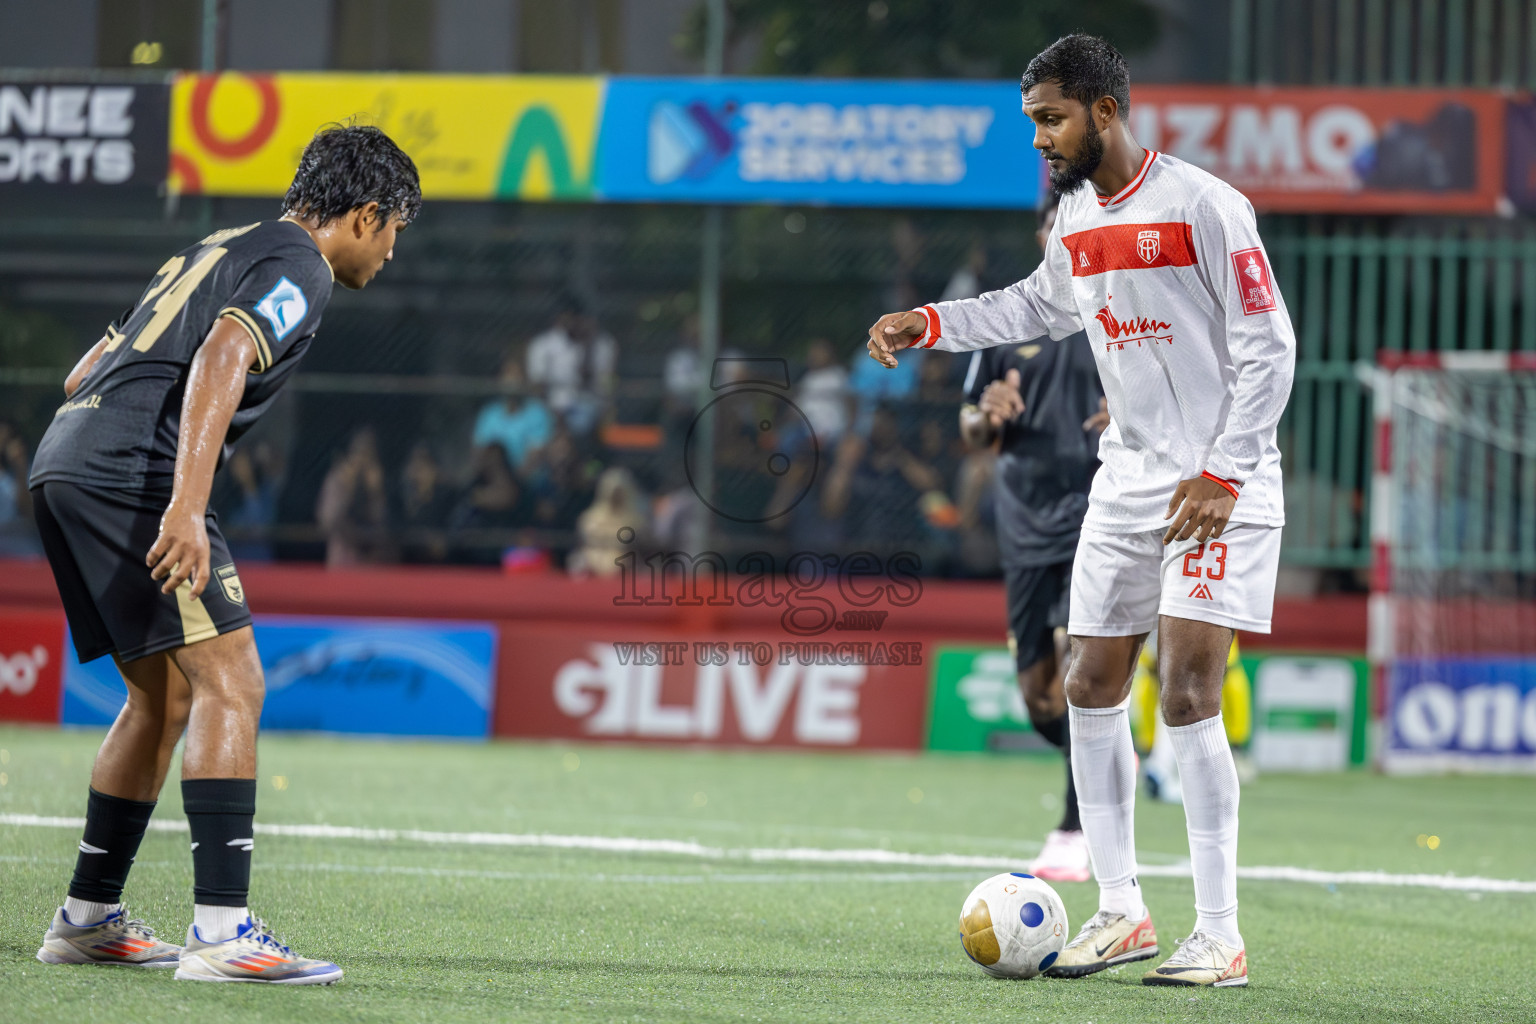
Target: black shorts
1037,606
96,541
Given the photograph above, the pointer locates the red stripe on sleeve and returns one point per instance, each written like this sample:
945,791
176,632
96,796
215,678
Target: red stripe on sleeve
1231,485
935,329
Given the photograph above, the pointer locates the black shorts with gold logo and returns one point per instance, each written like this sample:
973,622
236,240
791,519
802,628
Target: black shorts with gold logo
96,540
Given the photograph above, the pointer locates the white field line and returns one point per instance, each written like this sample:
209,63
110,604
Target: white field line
800,855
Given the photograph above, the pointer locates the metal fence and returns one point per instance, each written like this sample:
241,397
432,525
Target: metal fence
1384,42
1358,287
417,355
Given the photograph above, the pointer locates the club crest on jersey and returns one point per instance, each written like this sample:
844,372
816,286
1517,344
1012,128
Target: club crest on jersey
1148,245
284,307
1253,283
229,582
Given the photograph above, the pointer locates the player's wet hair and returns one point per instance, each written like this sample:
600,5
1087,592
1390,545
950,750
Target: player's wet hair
1085,67
350,165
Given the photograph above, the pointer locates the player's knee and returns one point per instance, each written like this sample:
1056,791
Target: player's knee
235,691
1088,687
1188,699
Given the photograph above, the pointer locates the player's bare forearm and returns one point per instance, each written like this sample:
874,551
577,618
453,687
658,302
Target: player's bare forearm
215,383
83,368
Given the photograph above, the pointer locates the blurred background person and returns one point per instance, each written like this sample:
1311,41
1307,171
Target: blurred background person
519,421
426,499
18,535
353,508
616,523
575,362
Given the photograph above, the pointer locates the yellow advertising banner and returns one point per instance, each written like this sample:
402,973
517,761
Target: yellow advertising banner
472,137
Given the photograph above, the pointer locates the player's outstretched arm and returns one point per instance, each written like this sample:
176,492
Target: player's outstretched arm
1041,304
215,383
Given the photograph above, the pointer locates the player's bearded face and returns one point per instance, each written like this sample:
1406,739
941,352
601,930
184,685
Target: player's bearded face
1090,152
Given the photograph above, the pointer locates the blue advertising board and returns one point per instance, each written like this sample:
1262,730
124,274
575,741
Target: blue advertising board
375,676
846,143
1470,713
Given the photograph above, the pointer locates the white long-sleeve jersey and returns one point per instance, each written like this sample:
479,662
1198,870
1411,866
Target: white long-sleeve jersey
1194,346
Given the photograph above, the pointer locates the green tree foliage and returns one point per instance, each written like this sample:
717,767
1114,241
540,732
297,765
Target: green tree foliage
919,38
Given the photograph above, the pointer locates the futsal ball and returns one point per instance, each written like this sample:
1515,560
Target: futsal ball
1013,925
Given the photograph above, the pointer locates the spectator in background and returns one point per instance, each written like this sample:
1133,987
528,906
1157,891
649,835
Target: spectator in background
18,535
683,374
518,421
876,486
426,501
496,501
561,478
618,512
822,394
255,473
575,362
352,509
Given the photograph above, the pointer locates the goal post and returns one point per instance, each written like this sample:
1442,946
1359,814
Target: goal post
1452,625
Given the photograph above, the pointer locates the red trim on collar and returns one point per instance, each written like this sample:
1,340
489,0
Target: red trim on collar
1125,193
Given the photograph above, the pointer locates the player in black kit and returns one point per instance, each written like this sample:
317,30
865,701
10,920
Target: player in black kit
1042,404
121,484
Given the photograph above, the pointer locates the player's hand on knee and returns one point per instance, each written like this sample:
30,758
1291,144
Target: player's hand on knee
1200,509
180,552
892,333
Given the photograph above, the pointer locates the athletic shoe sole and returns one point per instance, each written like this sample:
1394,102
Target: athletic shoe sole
188,972
74,958
1180,983
1083,970
1060,875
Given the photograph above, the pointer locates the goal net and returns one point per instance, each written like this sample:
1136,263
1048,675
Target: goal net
1453,525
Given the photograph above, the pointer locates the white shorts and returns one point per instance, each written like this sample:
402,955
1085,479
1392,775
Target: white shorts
1121,582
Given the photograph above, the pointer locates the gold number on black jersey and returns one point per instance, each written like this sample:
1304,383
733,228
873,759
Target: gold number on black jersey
169,297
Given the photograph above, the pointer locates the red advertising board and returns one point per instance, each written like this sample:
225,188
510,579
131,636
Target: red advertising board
601,681
31,660
1335,150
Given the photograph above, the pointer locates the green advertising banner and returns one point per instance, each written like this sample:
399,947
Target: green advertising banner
975,703
1310,713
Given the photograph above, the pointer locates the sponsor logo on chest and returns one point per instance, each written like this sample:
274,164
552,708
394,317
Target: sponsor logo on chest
1137,330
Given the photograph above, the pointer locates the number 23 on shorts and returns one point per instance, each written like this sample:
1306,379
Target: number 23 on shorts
1218,552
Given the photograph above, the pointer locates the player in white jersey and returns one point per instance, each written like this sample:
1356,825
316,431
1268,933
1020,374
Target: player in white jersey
1162,265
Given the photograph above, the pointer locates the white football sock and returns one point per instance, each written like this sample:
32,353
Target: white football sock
83,912
1209,781
218,924
1104,771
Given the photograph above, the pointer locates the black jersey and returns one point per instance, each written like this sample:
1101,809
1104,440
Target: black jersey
121,426
1047,460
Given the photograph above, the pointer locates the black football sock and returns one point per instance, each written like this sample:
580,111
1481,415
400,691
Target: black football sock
1058,734
114,827
219,812
1070,822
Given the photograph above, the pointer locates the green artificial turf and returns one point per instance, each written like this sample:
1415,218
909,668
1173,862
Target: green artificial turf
444,933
